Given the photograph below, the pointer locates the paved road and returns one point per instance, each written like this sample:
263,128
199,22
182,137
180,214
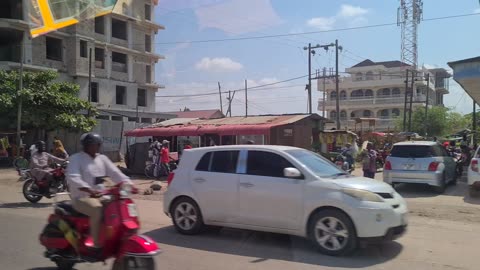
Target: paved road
436,240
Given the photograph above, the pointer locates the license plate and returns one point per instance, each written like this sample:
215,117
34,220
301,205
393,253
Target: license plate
409,166
132,210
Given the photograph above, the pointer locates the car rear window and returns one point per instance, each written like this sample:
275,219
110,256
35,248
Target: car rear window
412,151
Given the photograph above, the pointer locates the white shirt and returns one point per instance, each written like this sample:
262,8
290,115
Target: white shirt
83,170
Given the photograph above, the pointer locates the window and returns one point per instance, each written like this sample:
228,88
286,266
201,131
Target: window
368,93
142,97
357,93
439,151
333,95
121,95
369,76
148,73
54,49
146,120
119,62
83,49
119,29
94,92
224,161
266,164
148,12
395,113
204,163
411,151
395,92
100,25
132,119
117,118
359,76
103,117
148,43
99,58
343,95
367,113
343,115
316,163
333,114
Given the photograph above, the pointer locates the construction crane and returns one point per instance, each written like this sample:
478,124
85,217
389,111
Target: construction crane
409,16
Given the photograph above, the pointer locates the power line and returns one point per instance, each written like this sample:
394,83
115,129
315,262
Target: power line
312,32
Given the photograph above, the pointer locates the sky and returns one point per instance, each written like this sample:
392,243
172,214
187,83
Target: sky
192,67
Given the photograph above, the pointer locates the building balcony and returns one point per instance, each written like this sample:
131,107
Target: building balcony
374,82
380,125
373,101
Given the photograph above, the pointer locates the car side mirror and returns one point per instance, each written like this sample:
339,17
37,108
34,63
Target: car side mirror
292,173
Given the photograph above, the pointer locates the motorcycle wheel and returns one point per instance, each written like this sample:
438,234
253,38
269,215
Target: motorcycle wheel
134,263
64,264
27,187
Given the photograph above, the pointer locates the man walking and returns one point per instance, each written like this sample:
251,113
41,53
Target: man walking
165,157
369,157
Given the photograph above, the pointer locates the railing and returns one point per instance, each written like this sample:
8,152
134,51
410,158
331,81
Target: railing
392,99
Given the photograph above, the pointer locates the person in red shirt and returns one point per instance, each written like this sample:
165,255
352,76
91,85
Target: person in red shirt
187,146
165,157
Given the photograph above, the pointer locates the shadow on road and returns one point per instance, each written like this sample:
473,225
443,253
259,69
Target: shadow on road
19,205
265,246
426,191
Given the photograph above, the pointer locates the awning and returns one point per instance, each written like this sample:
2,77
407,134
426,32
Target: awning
198,130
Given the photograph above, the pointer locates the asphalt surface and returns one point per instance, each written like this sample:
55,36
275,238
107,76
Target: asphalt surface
436,239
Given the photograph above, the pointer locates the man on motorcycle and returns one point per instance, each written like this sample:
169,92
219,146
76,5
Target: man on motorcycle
347,152
84,168
39,164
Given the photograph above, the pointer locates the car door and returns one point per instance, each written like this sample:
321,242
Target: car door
215,184
267,198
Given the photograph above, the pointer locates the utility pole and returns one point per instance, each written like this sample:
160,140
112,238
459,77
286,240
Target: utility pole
411,101
324,92
311,52
246,99
220,95
90,79
337,105
230,99
474,123
405,104
19,97
427,77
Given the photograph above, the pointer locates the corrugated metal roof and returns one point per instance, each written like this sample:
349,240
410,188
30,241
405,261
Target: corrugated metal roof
172,122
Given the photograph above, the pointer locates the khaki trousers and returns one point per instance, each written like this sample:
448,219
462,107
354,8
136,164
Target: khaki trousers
91,207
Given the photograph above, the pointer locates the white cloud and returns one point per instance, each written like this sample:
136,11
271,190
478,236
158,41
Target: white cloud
351,15
322,23
477,10
348,11
220,64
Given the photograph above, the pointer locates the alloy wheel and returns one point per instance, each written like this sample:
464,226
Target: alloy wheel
331,233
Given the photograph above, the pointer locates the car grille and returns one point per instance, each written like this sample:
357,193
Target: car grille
386,195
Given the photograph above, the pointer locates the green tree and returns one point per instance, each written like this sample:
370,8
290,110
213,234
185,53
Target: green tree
47,103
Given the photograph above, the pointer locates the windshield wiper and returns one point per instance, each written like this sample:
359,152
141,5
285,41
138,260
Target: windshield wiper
339,174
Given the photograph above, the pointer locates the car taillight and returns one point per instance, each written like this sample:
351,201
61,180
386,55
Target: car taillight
170,178
433,166
387,166
474,165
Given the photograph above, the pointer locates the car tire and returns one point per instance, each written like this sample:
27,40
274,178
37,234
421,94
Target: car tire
441,189
332,232
186,216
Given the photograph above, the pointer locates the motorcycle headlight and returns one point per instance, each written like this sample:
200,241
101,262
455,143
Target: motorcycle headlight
362,195
125,190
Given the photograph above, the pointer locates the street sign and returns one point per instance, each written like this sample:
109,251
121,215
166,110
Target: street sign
50,15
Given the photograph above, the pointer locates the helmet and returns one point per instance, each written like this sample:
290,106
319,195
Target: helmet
91,138
40,145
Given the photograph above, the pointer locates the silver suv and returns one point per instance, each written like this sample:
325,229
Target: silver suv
420,162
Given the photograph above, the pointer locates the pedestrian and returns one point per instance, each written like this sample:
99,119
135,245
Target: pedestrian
435,139
165,157
58,150
369,157
188,145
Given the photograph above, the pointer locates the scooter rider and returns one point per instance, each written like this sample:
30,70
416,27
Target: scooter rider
39,164
82,172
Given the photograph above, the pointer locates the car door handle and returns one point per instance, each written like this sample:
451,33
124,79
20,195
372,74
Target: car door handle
247,185
199,180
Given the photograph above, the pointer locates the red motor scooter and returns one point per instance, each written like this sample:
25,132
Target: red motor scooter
67,237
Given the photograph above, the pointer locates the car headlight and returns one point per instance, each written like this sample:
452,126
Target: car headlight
362,195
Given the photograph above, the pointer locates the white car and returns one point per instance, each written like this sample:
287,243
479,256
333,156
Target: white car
473,173
285,190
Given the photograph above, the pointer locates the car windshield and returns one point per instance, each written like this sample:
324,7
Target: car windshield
316,163
411,151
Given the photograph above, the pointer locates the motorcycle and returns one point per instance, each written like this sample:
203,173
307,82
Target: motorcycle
35,189
342,163
67,240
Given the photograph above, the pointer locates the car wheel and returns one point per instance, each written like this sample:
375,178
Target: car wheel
186,216
332,232
440,189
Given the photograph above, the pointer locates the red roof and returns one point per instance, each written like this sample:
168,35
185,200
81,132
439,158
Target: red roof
203,114
255,125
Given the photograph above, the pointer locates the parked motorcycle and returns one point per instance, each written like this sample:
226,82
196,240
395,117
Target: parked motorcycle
67,240
35,189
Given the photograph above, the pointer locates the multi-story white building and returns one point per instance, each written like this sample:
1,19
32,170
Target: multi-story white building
122,46
372,96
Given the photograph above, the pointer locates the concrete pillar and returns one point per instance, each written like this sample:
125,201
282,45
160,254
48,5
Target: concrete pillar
130,37
108,28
